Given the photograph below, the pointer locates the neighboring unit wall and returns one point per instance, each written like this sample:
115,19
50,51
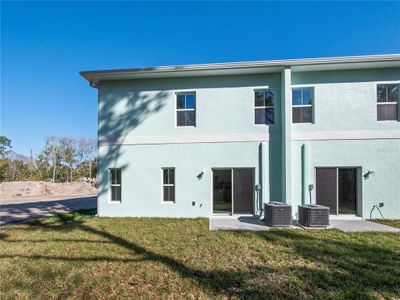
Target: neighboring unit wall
345,101
346,133
381,156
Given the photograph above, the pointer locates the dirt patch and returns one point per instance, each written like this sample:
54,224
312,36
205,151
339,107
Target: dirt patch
30,189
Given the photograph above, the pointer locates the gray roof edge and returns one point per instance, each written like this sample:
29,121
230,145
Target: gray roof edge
248,64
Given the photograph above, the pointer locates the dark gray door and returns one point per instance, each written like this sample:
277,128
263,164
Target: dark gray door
326,188
347,186
243,191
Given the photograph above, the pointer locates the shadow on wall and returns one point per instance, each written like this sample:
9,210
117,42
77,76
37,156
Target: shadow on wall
119,114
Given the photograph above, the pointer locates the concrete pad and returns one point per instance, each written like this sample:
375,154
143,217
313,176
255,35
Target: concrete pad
296,224
248,223
237,223
361,226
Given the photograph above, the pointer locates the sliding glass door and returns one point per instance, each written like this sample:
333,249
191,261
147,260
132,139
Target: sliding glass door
337,189
233,191
222,191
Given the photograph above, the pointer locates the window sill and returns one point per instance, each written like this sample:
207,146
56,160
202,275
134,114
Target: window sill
114,202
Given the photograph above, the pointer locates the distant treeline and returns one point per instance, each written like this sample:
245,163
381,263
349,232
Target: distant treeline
62,159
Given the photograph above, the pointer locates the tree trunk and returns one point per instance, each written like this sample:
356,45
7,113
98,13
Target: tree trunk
54,170
37,169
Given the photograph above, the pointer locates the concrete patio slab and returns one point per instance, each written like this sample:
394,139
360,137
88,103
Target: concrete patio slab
250,223
237,223
361,226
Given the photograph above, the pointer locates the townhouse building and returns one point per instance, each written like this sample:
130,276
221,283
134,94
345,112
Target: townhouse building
222,139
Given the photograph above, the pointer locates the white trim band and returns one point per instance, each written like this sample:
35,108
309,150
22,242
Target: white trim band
264,137
188,139
346,135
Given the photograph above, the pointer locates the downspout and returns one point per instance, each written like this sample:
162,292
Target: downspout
304,173
264,172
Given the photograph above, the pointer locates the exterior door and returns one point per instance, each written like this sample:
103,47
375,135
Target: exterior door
233,191
326,188
337,189
243,191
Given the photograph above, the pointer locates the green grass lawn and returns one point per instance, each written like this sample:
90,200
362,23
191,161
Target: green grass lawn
393,223
79,256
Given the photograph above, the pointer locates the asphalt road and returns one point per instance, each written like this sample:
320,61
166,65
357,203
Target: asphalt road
33,209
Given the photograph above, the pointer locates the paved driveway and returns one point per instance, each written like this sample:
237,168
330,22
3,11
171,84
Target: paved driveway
33,209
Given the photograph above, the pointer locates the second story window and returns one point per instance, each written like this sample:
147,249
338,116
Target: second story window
185,109
387,98
264,106
302,101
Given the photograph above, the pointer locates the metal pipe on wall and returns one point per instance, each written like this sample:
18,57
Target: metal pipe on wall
304,173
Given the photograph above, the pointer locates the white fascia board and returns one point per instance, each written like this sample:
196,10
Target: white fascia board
236,68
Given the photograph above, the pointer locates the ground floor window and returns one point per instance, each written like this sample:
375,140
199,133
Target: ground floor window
115,184
168,185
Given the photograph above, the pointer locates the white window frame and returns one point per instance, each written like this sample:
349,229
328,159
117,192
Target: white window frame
114,185
388,102
304,105
167,184
264,107
185,109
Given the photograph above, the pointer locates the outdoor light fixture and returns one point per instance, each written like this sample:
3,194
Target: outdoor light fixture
369,173
200,176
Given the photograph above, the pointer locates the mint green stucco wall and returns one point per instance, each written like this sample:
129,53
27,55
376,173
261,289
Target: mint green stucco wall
139,112
345,101
129,110
225,105
381,156
141,177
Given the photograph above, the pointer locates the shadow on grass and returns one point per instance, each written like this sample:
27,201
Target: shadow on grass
229,283
345,268
358,267
22,212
